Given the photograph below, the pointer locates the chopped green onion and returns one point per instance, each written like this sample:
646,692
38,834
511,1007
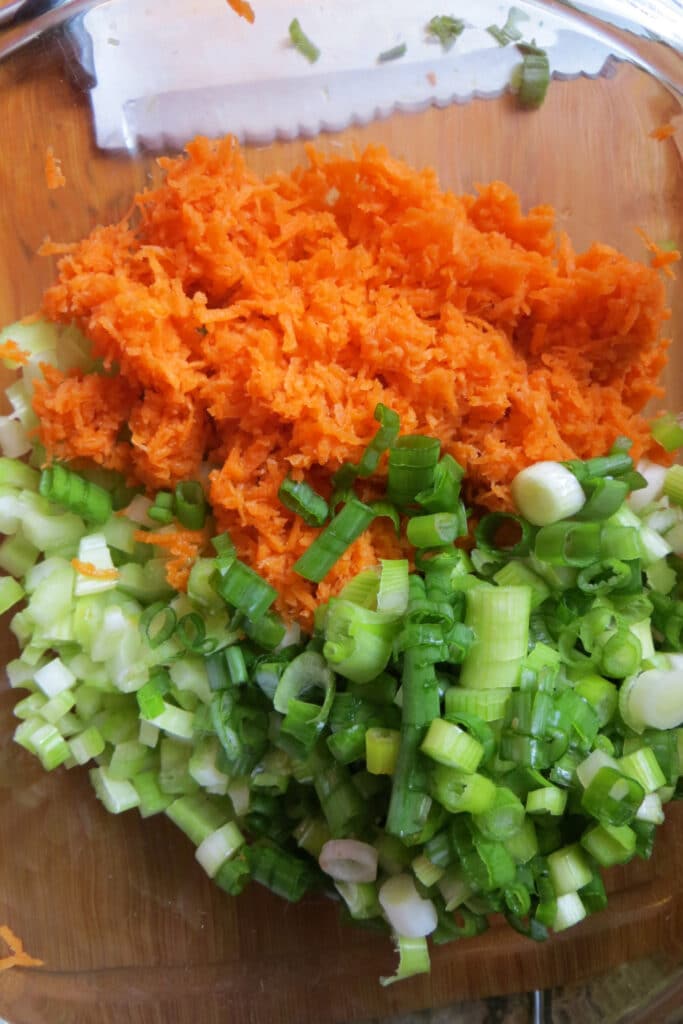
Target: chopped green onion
242,588
569,869
450,745
78,495
610,844
413,958
330,545
490,526
302,43
444,493
533,78
394,53
190,504
547,492
434,530
499,619
446,29
300,498
158,623
381,750
412,465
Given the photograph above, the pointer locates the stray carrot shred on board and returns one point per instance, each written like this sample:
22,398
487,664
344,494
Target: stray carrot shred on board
92,572
244,9
256,323
663,131
661,258
54,176
10,350
18,957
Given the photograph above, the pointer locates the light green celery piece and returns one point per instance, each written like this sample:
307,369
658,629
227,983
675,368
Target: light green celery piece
17,555
174,771
11,593
197,815
118,532
199,589
176,722
14,473
11,510
51,530
93,550
20,673
86,745
149,734
52,598
130,758
218,847
29,707
146,583
57,706
189,673
152,799
203,765
54,677
69,725
117,795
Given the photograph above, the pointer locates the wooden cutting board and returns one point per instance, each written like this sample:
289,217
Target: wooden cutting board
127,924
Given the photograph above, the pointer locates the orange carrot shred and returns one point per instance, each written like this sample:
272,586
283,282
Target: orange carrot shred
244,9
90,570
10,350
18,957
663,131
54,176
257,322
184,545
661,259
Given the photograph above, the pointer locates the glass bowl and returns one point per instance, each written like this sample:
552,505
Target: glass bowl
127,925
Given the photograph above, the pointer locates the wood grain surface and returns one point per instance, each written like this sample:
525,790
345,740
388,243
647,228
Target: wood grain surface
127,924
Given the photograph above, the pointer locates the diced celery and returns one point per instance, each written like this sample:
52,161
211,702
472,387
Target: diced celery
175,721
11,592
54,677
117,795
190,674
197,816
86,745
93,550
129,759
58,706
203,765
17,555
219,846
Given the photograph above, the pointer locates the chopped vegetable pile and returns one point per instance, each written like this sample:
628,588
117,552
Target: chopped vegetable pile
481,732
334,532
247,329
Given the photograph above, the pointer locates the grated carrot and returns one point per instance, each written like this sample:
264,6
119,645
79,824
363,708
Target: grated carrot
10,350
244,9
660,258
184,545
18,957
90,570
255,324
54,176
663,131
